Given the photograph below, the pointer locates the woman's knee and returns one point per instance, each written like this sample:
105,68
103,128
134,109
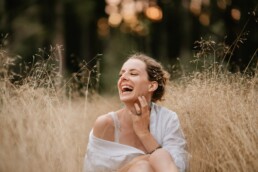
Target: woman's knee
141,166
161,160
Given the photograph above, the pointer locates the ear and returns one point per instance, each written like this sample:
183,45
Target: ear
153,86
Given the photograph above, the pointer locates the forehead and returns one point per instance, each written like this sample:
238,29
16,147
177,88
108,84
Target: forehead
134,64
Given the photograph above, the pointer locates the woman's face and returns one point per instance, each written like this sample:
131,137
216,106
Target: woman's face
133,81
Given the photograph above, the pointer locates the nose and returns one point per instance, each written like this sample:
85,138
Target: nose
124,76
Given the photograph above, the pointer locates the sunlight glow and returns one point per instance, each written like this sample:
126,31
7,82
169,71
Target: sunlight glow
140,5
222,4
206,2
113,2
115,19
128,11
204,19
103,27
235,14
154,13
111,9
195,7
130,19
126,14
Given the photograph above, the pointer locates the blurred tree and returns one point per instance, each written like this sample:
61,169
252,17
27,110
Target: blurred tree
80,32
163,29
241,24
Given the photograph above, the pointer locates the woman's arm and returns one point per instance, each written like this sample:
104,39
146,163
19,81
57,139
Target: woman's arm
174,141
141,124
160,159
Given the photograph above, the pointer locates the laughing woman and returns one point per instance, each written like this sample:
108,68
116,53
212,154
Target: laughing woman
142,136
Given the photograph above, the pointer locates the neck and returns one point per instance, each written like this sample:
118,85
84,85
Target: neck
129,108
126,113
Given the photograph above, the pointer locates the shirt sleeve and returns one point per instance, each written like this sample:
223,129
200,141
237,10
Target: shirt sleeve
174,141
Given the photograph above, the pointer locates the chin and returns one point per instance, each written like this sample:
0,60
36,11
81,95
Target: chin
127,99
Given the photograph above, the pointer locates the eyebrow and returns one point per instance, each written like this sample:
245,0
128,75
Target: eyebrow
129,70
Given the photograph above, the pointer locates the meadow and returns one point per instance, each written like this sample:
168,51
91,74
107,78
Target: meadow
43,129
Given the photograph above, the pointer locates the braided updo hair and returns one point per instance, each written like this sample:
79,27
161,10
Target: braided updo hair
155,72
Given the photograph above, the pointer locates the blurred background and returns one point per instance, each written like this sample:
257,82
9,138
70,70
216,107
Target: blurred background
101,33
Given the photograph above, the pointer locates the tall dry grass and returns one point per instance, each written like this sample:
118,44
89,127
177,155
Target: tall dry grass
219,117
42,132
44,125
42,129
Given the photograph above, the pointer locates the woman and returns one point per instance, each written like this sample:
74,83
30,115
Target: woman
141,136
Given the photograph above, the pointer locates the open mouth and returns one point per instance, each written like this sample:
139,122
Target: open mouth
127,89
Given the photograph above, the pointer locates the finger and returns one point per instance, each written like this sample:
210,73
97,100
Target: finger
145,112
137,109
141,101
144,101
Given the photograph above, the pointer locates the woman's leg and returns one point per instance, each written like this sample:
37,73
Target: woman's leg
141,166
137,159
161,161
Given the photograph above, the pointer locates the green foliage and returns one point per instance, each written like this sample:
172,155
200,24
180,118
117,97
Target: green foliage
46,71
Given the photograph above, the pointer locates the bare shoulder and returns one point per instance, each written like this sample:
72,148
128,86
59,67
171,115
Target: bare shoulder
104,127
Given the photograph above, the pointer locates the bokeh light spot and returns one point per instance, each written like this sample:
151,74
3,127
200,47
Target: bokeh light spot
235,14
204,19
114,19
154,13
103,27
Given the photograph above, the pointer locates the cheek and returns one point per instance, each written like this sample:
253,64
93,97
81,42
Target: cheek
143,87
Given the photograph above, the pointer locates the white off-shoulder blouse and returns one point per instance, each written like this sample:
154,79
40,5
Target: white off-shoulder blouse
107,156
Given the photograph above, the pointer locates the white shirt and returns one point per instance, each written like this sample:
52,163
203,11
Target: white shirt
107,156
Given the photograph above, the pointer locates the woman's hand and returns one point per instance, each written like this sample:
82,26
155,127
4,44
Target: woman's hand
141,120
141,124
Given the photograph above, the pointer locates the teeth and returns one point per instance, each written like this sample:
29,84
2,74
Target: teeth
127,88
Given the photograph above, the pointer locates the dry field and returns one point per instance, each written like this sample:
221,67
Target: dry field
43,131
219,117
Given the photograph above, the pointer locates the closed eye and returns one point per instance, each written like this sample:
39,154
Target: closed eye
134,74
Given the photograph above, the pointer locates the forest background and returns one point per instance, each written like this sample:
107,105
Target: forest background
105,32
59,63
